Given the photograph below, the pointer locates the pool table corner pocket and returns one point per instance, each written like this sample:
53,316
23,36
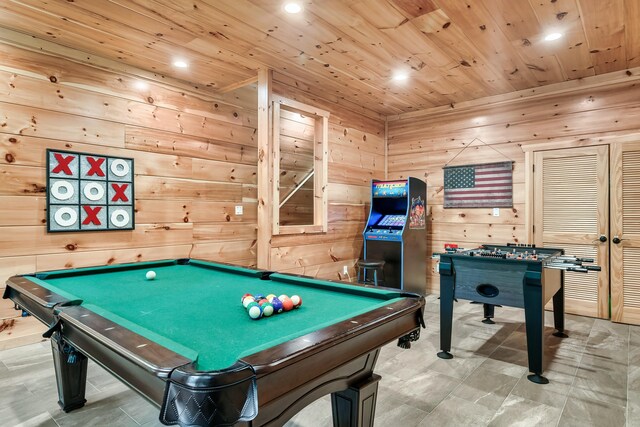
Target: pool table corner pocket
212,398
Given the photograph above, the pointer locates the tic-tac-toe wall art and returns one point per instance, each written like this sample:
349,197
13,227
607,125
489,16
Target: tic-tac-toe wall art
88,192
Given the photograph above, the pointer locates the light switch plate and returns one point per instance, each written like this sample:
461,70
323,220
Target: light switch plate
496,211
239,210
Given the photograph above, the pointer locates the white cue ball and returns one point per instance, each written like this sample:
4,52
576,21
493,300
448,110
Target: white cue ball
150,275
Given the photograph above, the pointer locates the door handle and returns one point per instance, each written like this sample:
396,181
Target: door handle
616,240
603,238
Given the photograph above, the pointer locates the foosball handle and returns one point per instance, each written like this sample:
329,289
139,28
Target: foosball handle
593,267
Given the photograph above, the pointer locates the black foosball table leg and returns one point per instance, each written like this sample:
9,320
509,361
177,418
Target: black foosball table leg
489,312
447,282
534,324
558,310
538,379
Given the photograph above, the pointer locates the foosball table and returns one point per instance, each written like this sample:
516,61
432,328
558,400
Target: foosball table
520,276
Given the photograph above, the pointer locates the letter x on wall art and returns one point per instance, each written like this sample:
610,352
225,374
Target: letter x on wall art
89,192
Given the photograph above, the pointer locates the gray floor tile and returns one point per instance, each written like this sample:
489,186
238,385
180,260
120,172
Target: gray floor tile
582,411
633,409
518,411
424,391
317,414
485,387
601,379
504,368
594,380
553,394
455,412
401,415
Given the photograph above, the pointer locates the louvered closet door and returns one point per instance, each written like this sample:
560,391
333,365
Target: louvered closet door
625,225
571,211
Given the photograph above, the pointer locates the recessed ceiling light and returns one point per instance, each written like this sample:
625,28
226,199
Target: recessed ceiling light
552,36
292,7
400,76
180,63
141,85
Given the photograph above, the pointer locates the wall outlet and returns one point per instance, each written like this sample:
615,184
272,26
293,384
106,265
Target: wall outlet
345,269
239,210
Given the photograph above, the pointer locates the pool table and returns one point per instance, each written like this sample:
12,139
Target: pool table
184,341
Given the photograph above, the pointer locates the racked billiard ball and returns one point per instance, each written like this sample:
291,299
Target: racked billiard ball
287,304
251,304
255,312
246,301
277,305
296,300
267,309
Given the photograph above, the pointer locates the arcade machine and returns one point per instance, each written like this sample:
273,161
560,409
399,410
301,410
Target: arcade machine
396,232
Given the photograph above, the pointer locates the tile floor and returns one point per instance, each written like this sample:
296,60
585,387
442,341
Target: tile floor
594,380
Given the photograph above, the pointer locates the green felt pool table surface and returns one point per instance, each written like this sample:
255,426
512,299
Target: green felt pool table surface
194,309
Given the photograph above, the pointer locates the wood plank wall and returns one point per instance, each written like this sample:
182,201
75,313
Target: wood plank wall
421,144
195,160
356,155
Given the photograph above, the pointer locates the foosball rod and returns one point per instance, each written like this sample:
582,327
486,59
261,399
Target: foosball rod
573,267
573,258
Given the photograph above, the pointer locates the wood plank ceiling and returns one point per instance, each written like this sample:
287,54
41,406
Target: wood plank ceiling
451,50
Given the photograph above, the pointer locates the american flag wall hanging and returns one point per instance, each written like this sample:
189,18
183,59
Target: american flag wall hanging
479,186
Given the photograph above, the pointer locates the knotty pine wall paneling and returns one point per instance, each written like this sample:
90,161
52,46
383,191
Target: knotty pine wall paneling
420,144
195,160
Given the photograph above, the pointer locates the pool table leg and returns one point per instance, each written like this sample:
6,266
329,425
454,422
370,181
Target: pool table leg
71,373
356,406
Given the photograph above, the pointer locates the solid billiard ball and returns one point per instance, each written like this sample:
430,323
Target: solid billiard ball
296,300
255,312
150,275
287,304
251,304
277,305
267,309
246,301
258,297
262,301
